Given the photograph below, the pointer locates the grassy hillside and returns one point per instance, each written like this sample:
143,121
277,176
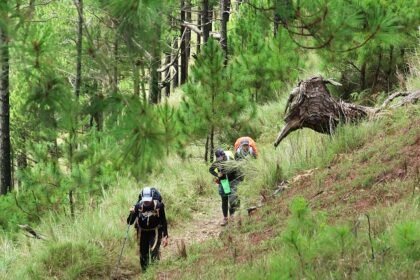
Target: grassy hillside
317,227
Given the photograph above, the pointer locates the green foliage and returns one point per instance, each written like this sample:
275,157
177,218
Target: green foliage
209,101
263,64
407,239
93,146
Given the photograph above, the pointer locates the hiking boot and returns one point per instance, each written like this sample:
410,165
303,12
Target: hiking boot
224,222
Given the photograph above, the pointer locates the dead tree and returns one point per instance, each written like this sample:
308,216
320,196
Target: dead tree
311,105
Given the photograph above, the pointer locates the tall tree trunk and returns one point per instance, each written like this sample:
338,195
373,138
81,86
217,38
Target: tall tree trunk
206,149
5,160
22,160
154,89
167,84
184,53
77,86
176,67
224,15
12,169
212,144
136,77
206,16
390,66
276,23
142,81
363,76
198,35
378,68
188,31
97,116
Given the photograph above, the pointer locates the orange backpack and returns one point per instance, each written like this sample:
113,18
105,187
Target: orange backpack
251,141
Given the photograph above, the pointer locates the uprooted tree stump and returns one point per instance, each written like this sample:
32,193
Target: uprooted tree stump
311,105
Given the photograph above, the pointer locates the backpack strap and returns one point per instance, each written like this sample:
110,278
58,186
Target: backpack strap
155,207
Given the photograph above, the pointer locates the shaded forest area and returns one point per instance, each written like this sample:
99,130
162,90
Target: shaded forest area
94,90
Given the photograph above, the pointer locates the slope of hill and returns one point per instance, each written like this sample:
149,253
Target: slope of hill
351,212
348,208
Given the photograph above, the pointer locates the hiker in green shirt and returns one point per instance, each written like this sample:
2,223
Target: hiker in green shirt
228,179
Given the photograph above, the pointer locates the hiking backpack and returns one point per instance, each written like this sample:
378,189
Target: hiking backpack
149,219
251,141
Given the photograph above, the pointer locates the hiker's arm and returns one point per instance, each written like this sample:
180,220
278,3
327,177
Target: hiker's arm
163,221
133,214
212,170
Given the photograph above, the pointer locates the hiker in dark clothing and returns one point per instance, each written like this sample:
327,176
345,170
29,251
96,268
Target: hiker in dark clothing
152,229
221,171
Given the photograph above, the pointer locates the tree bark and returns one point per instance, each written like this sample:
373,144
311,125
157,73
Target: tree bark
184,53
390,67
206,149
167,82
276,23
363,76
188,31
205,20
198,35
136,78
154,89
212,144
5,160
78,82
224,15
311,105
378,68
176,67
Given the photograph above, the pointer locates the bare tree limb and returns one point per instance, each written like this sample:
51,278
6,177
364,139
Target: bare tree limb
164,68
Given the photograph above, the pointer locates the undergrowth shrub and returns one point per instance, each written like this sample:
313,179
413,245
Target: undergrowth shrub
69,260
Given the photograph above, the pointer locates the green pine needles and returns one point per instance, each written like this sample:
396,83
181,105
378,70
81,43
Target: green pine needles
211,105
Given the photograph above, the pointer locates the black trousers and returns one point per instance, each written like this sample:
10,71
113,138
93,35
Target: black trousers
230,203
147,240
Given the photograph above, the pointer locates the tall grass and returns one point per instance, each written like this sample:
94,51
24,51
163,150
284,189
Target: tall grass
308,248
87,247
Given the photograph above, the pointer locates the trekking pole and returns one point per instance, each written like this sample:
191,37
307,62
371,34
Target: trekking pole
122,249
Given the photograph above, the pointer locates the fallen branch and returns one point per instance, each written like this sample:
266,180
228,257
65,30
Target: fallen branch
32,232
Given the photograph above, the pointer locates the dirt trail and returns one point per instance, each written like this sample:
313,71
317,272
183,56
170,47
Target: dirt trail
203,226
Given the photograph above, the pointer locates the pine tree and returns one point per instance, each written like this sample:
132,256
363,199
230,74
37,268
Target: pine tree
210,106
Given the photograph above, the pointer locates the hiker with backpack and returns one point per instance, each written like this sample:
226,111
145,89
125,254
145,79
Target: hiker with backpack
245,148
227,177
152,229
